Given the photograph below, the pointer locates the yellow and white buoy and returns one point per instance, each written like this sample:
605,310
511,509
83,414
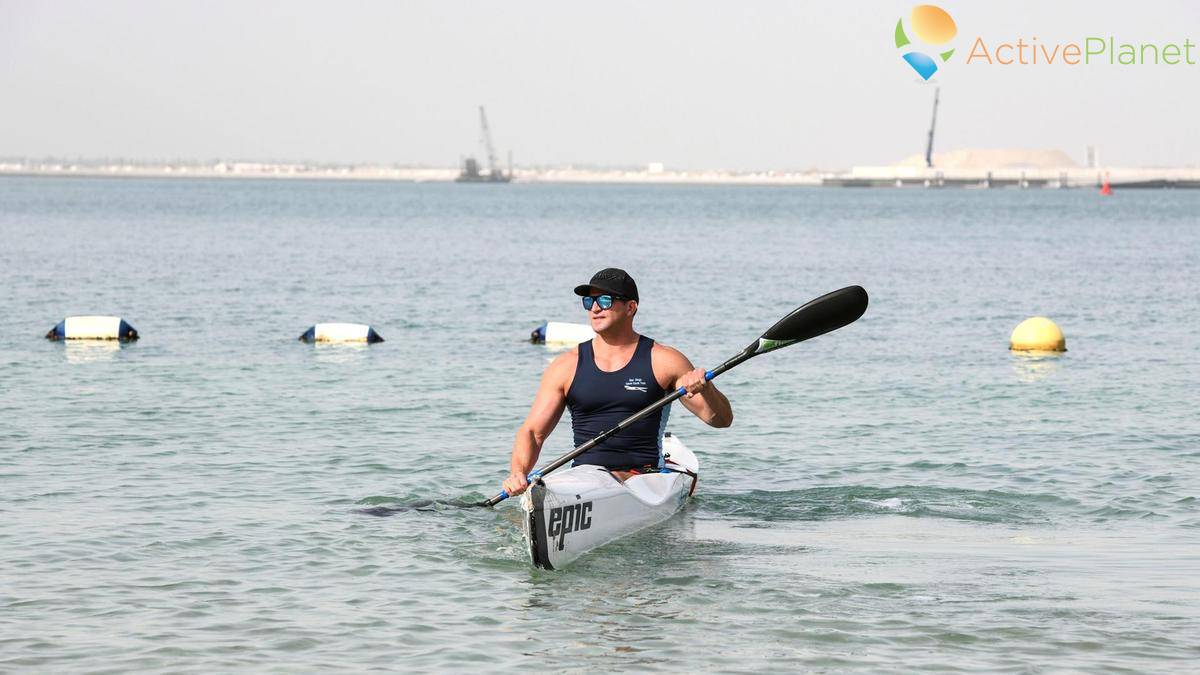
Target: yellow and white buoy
1037,334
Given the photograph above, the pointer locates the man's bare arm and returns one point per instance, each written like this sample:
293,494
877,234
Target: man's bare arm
544,414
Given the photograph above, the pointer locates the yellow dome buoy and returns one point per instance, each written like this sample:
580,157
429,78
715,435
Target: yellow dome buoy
1037,334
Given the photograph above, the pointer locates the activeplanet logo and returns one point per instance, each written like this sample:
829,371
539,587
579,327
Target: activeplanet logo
934,26
1094,50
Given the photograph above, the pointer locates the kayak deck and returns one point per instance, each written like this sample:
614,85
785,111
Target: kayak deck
573,511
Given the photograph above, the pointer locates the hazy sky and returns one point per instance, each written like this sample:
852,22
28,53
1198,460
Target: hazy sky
739,85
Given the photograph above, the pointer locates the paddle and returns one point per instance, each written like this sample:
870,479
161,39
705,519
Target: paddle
816,317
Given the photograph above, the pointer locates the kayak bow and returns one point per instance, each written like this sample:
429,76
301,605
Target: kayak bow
582,508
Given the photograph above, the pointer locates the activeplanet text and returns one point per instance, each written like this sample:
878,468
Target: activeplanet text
1094,50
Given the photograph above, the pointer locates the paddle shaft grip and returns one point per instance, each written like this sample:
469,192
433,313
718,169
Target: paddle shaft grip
625,423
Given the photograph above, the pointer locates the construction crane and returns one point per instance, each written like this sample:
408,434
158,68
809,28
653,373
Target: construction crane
487,142
470,171
928,146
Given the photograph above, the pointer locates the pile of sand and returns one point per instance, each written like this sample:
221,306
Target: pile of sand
994,158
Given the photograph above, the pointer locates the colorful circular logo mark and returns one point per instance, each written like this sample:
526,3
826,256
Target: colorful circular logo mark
933,26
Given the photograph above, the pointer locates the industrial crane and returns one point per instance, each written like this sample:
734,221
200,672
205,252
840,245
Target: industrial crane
470,171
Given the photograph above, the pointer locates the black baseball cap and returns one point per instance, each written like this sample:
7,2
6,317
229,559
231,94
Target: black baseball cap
610,280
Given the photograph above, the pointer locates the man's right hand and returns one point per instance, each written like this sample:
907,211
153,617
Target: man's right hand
515,484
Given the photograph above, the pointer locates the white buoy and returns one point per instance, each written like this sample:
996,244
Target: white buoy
341,332
93,328
558,332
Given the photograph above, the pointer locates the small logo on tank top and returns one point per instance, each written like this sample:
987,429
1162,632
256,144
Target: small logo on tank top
635,384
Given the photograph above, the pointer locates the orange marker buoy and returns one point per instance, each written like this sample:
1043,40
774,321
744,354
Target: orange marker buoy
1106,189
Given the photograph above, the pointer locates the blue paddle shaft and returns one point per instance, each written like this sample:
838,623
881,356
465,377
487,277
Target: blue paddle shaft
533,475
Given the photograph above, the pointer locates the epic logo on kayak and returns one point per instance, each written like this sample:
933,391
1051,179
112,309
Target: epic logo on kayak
566,519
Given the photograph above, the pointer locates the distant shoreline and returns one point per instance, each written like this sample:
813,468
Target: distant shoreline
884,176
370,172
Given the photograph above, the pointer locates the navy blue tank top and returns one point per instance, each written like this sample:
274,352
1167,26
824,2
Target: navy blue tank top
598,401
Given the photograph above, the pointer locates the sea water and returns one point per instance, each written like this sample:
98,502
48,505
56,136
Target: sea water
902,494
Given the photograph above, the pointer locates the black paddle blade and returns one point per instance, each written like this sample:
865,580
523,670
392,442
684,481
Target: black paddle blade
816,317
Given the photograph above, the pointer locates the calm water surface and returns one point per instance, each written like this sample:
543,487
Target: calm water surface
903,494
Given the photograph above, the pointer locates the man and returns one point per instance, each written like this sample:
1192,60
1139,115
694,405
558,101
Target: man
607,379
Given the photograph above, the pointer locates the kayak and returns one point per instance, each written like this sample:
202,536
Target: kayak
573,511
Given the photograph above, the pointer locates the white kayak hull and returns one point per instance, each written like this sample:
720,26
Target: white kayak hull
575,510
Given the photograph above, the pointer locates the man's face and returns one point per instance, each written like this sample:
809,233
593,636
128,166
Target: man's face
603,319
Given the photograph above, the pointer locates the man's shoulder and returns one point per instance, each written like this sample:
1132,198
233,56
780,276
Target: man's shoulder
669,358
662,349
563,365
